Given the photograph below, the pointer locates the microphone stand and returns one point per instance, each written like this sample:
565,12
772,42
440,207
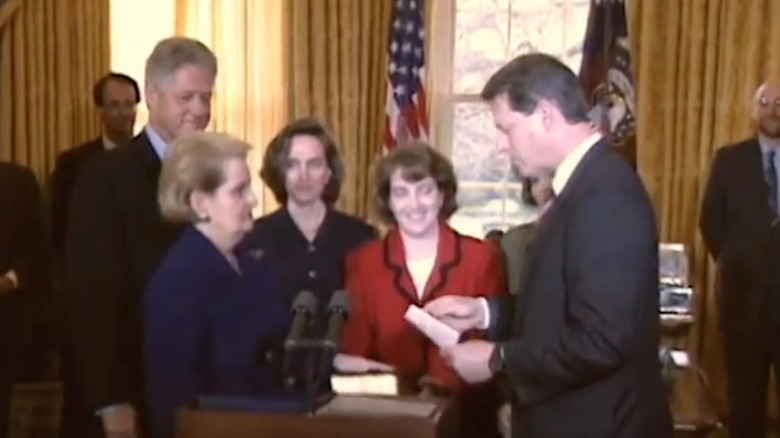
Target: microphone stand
314,350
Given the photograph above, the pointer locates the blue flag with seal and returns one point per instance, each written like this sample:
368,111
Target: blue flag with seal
607,75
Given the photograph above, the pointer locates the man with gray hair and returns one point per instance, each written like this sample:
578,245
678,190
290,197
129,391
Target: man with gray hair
115,239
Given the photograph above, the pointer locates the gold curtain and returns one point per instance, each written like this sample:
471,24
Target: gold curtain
51,52
250,98
337,66
699,63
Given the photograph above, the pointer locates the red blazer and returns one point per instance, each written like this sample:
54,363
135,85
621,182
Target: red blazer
381,289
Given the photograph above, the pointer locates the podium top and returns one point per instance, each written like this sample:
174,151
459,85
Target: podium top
367,417
381,406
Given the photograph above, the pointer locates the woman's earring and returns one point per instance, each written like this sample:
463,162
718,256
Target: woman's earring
203,217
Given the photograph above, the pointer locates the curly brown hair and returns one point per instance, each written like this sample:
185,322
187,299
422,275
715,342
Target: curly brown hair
417,160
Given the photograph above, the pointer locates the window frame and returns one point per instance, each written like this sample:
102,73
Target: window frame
448,98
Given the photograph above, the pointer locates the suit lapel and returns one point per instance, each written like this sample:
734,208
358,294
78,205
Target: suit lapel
755,176
448,256
551,223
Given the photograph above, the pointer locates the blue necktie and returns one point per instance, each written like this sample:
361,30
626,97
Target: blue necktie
771,177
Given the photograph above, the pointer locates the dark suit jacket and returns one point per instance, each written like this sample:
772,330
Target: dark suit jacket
116,238
205,325
63,180
23,249
317,266
582,356
736,223
381,290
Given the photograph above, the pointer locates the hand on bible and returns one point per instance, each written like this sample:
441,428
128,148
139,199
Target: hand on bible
346,363
119,422
460,313
6,285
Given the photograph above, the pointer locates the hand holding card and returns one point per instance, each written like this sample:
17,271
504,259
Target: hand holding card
441,334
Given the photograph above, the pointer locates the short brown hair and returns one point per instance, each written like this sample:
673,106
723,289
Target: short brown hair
277,155
417,160
194,162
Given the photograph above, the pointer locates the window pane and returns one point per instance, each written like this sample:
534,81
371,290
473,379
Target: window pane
481,210
474,153
538,29
526,5
576,25
481,43
481,4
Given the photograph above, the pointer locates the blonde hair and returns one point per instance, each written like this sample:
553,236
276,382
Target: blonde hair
193,162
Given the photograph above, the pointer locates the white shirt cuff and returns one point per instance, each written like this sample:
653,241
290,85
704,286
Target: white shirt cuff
486,312
14,279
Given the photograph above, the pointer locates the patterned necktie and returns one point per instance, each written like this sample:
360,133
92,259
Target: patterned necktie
771,178
546,207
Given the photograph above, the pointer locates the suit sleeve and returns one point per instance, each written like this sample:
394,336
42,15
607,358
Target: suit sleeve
60,188
32,266
98,287
175,336
712,216
607,266
357,334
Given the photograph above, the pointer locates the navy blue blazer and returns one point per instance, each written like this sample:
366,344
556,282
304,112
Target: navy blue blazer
206,327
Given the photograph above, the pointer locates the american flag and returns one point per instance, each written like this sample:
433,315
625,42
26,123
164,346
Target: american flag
405,113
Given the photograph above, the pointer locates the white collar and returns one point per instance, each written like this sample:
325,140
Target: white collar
569,164
108,144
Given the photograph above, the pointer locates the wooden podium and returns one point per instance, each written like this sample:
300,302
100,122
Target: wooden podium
345,416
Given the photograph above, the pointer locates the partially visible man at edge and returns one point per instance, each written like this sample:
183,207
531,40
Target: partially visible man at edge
116,237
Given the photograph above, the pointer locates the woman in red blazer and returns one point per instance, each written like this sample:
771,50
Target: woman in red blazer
420,258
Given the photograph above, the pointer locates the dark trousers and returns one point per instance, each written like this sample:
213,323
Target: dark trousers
5,394
479,405
749,360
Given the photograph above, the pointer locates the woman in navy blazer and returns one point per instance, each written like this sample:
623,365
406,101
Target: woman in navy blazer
208,309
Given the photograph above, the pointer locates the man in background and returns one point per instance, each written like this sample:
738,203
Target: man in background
24,275
116,237
116,97
740,226
536,193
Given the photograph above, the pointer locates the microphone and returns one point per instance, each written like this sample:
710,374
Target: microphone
338,313
303,309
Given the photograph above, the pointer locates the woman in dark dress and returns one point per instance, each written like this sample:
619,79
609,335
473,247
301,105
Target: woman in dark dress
307,238
209,308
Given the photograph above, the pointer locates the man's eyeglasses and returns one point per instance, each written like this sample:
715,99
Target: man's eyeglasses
765,103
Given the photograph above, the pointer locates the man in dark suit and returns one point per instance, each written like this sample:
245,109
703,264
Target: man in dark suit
24,272
117,236
581,357
740,226
116,96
